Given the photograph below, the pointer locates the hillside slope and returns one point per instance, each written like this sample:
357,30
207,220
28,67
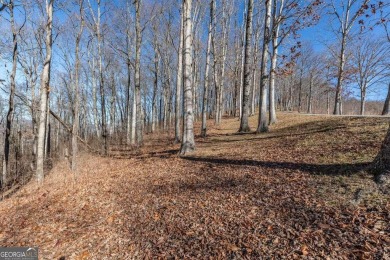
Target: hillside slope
299,190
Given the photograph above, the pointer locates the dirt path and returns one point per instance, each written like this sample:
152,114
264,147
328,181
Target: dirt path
298,191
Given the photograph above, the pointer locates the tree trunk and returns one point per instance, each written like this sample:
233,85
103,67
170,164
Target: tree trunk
7,141
112,105
274,58
300,91
327,103
237,78
44,93
242,63
386,106
94,97
339,88
128,110
382,161
255,71
179,80
207,72
244,126
128,45
76,115
134,119
363,102
155,85
188,143
168,103
101,84
139,137
309,100
216,83
263,126
223,66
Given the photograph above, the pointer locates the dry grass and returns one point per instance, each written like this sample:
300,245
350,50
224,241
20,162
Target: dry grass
298,191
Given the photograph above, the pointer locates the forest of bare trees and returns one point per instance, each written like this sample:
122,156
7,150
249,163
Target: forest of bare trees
87,75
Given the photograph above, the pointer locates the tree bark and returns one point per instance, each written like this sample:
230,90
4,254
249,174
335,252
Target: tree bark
382,161
188,143
94,97
104,133
128,55
112,105
274,58
137,90
128,110
76,115
339,88
44,93
207,71
242,63
7,141
255,71
309,100
155,83
363,101
179,80
263,126
386,106
225,37
244,126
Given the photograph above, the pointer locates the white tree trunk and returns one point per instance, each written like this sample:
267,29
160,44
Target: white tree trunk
188,143
207,71
179,80
244,126
272,105
44,93
137,80
263,126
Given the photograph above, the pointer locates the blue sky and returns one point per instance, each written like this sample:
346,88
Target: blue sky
317,35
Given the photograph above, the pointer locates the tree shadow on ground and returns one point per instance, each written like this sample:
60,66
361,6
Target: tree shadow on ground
275,208
304,129
290,131
158,154
315,169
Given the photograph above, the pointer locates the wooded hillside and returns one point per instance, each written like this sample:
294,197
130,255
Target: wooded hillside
295,192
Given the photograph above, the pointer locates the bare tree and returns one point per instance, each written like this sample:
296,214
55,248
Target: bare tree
277,18
244,126
8,128
264,77
98,31
369,59
345,20
207,69
179,80
220,56
188,141
254,92
156,75
76,101
137,75
44,92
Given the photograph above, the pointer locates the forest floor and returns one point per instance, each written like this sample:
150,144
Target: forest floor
299,191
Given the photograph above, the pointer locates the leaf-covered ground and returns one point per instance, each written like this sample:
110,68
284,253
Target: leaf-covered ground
299,191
